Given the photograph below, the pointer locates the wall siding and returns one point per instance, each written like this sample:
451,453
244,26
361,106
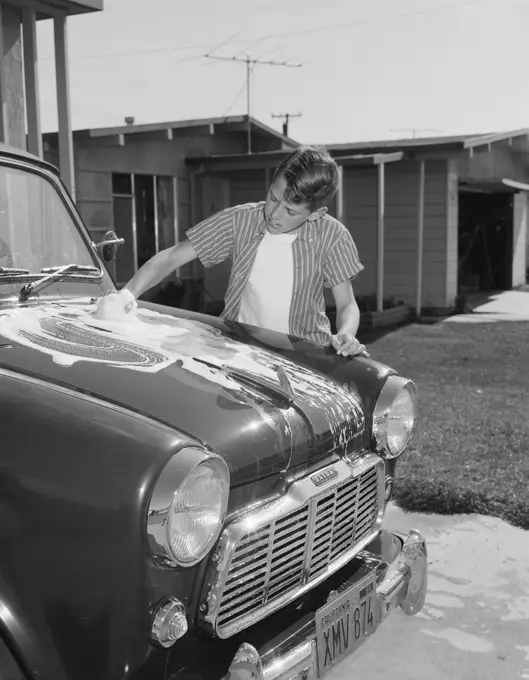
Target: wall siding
401,224
150,154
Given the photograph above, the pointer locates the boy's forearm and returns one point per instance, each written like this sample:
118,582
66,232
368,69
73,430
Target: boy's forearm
151,273
159,267
348,319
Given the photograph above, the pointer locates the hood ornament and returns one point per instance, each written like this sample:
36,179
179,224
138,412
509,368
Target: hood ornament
282,390
285,384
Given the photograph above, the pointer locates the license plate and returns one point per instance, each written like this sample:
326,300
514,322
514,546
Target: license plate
344,623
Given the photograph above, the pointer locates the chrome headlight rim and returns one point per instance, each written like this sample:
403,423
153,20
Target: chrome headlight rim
390,390
180,466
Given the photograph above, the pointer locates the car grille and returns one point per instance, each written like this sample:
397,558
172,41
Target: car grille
293,550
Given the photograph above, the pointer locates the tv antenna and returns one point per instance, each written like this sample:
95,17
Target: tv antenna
250,64
286,117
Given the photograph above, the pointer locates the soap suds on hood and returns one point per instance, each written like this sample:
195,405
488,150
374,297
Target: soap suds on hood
148,341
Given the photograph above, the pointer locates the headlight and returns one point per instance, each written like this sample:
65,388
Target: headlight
188,507
394,416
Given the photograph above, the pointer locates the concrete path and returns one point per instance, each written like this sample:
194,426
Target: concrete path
475,622
509,305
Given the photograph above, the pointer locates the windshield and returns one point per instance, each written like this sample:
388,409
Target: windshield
36,228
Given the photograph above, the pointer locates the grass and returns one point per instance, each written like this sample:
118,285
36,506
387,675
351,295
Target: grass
470,452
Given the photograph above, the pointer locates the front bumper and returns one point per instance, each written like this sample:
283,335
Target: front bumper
401,581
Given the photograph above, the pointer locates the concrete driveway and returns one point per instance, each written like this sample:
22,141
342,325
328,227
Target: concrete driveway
475,623
508,305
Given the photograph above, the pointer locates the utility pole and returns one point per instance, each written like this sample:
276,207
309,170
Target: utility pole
414,130
250,63
286,117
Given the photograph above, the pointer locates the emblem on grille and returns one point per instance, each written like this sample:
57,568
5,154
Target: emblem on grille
321,478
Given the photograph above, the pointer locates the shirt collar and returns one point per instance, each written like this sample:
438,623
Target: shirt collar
308,232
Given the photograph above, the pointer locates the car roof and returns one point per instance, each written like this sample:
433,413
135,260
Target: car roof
15,152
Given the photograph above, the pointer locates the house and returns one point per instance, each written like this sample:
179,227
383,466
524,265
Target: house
134,179
431,218
19,81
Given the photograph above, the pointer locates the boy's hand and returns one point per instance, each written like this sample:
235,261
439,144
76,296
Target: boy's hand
116,305
346,344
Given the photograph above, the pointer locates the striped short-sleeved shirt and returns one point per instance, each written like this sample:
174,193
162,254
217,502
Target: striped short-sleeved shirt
324,255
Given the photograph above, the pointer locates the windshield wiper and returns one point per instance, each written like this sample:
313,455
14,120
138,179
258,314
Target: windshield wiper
54,274
10,271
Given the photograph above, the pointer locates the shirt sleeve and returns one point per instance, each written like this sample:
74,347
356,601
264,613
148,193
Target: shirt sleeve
212,239
342,263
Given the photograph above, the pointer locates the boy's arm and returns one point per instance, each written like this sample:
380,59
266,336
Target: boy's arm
160,266
211,241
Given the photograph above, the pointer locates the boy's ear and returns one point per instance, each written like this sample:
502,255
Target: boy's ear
317,213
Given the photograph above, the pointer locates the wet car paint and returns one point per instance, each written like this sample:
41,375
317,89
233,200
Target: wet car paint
261,437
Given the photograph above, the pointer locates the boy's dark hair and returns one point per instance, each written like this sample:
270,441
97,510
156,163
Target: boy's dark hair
311,176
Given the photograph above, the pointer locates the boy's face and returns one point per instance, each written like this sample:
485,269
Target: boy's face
283,217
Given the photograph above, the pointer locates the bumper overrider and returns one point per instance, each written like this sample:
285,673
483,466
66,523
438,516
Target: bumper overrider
393,573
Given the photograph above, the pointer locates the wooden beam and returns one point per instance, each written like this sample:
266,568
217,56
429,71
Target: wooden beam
487,140
156,220
29,24
111,140
388,157
66,162
3,94
420,239
134,225
339,196
381,209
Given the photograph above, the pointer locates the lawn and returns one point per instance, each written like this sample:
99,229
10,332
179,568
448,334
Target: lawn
470,452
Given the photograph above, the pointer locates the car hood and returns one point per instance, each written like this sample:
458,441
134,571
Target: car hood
229,395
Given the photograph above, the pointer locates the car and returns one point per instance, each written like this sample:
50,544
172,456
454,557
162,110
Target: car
181,496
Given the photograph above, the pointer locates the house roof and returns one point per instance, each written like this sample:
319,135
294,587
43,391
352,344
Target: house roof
272,158
456,142
227,123
371,152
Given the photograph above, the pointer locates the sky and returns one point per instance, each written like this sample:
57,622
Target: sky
359,70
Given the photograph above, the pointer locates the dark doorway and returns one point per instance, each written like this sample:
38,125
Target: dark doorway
485,241
145,228
145,210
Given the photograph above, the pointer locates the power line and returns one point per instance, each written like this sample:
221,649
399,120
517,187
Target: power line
286,117
258,39
111,55
250,65
377,20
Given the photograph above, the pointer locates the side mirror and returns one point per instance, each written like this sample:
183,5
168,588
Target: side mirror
109,246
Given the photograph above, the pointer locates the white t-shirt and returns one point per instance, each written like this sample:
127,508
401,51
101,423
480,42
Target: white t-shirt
267,296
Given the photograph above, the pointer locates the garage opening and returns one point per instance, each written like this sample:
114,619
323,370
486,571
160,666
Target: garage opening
485,242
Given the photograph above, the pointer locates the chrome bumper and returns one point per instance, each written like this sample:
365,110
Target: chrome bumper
293,655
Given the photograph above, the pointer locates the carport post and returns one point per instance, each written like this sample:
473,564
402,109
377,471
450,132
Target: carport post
29,30
339,196
420,239
380,236
66,155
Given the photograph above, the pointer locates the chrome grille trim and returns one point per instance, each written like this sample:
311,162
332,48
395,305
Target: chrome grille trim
274,554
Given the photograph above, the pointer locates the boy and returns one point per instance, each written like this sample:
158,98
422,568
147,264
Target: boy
284,251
